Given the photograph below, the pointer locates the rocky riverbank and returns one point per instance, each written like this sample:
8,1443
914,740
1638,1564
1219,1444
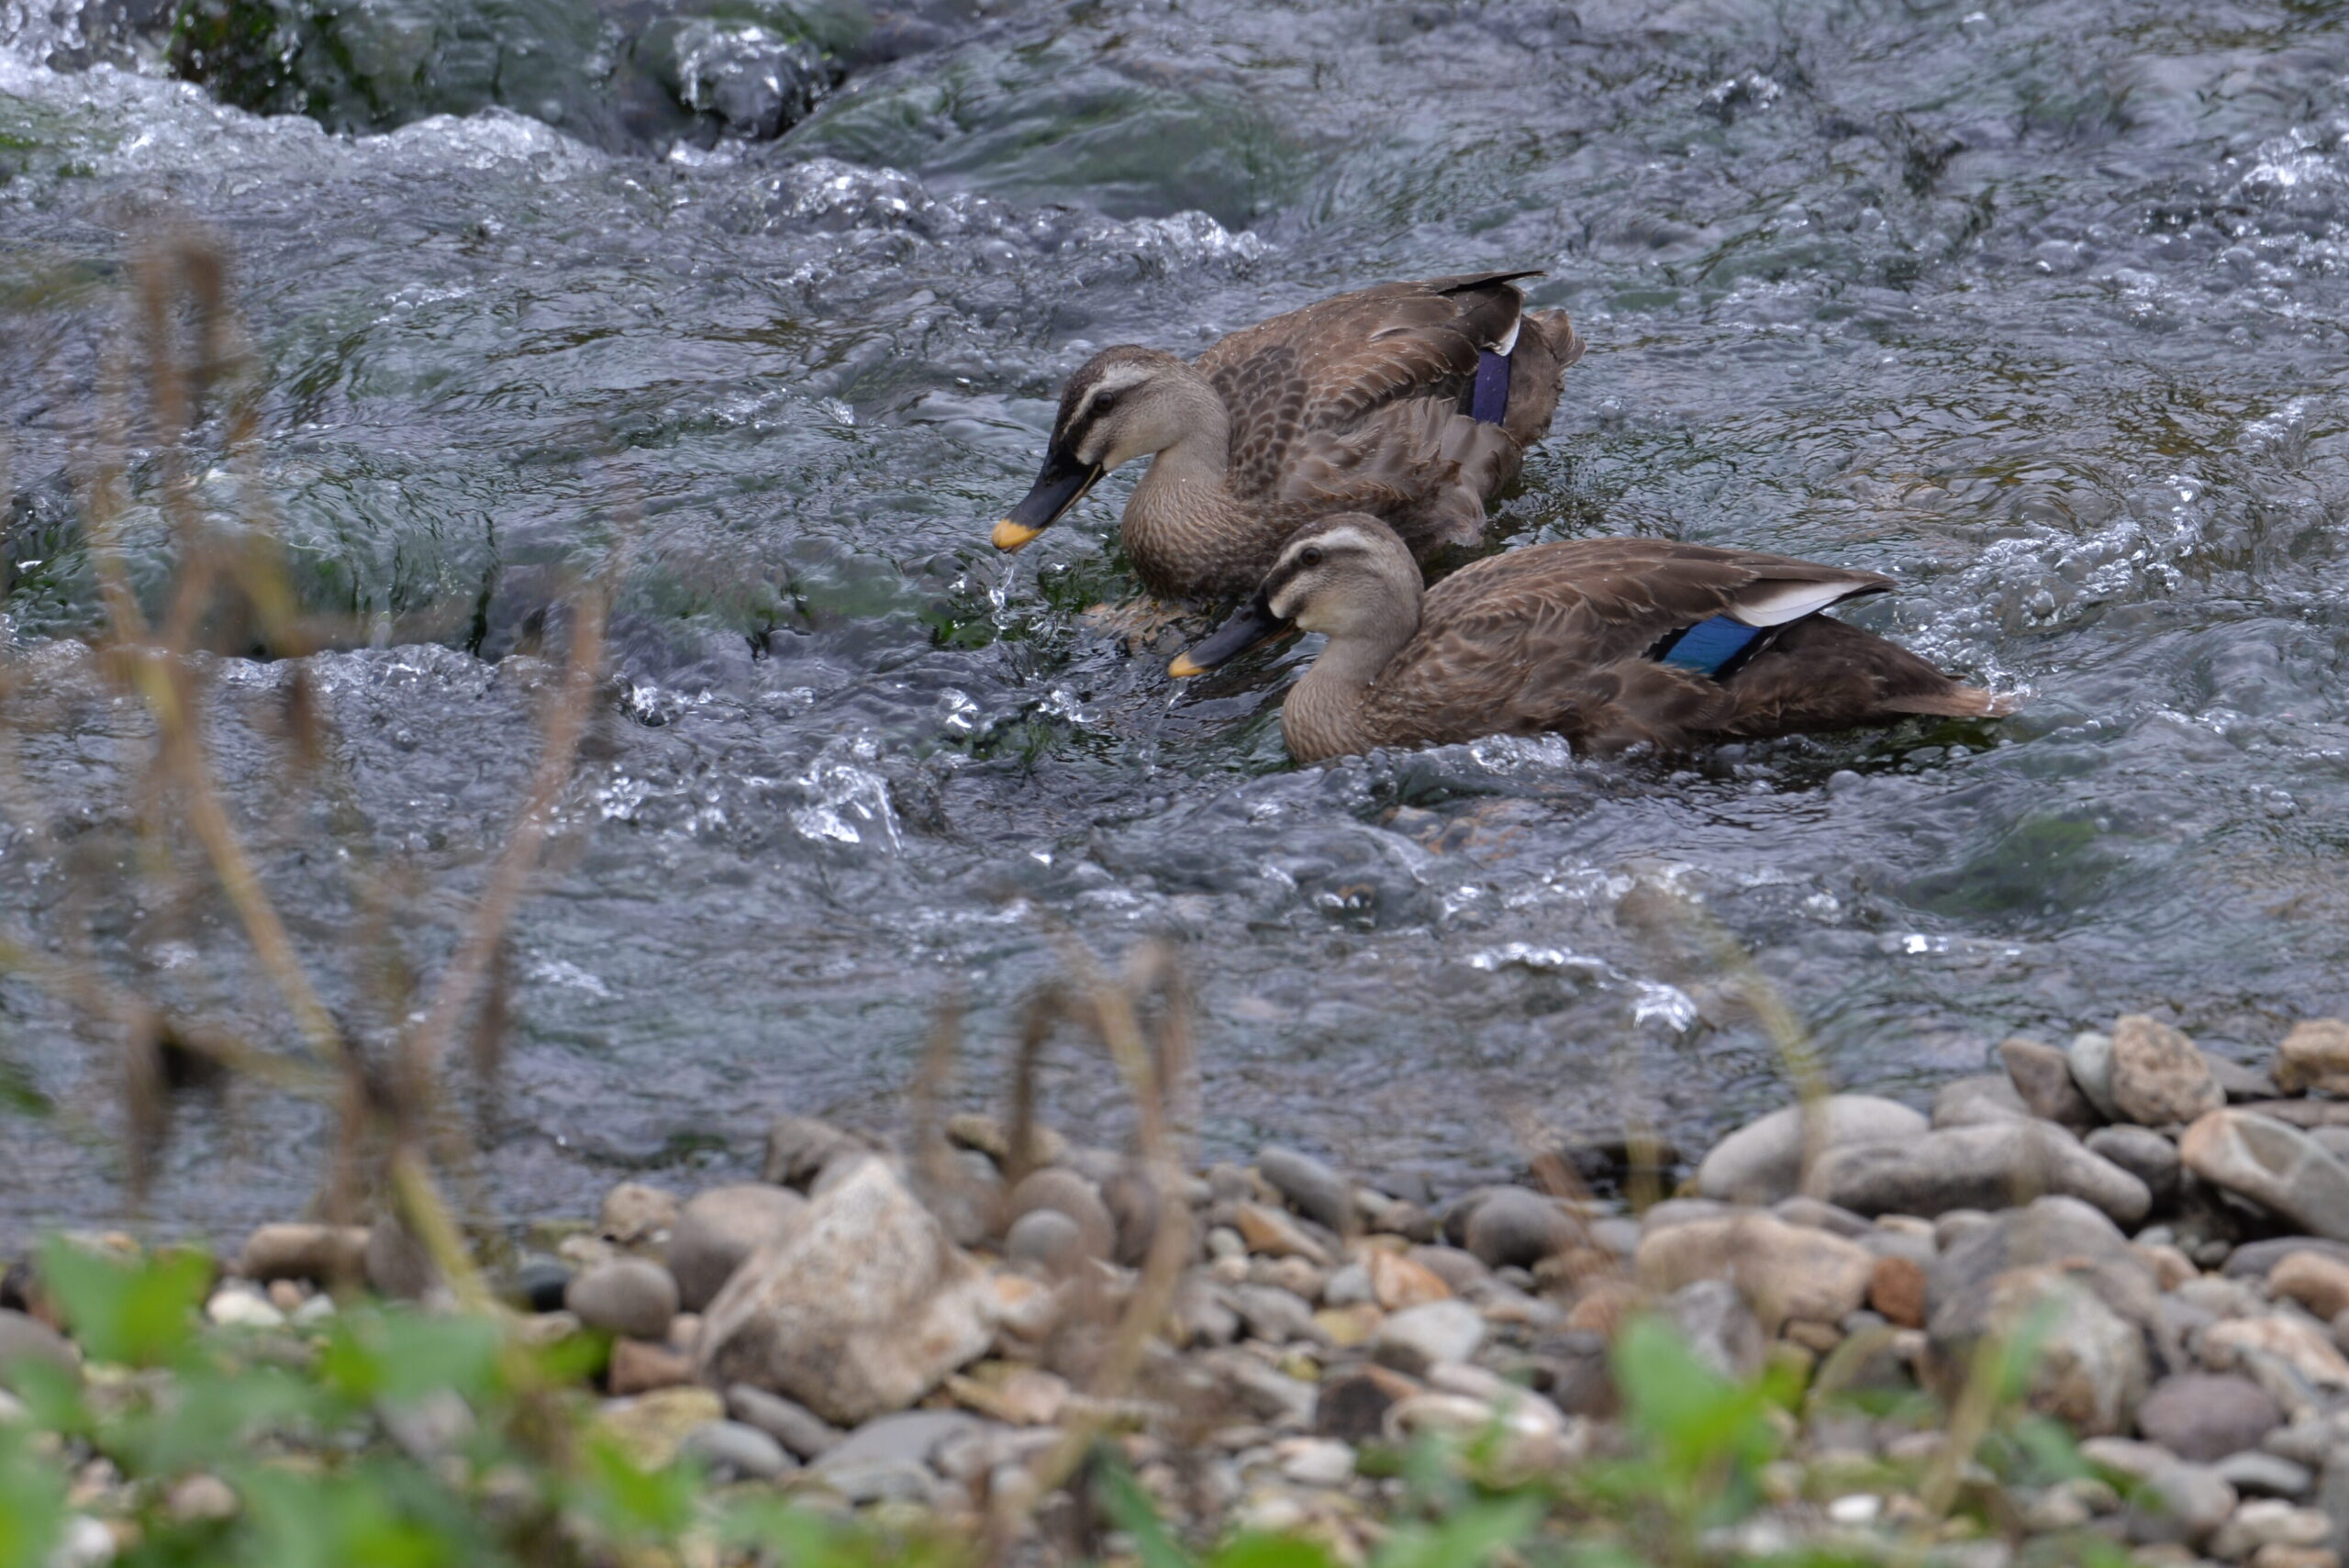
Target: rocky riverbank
2161,1236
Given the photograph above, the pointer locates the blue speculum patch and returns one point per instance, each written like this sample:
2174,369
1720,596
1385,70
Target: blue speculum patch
1709,647
1490,400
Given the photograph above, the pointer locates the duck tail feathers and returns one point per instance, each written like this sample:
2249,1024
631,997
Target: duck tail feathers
1955,701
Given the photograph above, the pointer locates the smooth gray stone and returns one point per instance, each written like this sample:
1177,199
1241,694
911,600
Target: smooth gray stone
1977,1101
2255,1259
2143,1154
1992,1166
1516,1228
2090,1055
2042,1075
911,1436
1718,1327
1417,1337
1046,1237
715,1230
732,1450
1312,1187
796,1428
2205,1417
1763,1161
1274,1314
627,1295
2255,1474
2276,1166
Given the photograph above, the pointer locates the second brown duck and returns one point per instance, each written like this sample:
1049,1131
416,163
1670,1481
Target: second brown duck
1412,402
1608,643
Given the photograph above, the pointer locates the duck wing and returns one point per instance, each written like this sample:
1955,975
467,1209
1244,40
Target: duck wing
1562,638
1326,366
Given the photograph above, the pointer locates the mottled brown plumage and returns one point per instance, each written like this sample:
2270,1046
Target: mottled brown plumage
1357,403
1563,639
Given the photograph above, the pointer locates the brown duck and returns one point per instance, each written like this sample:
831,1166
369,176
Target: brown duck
1412,402
1608,643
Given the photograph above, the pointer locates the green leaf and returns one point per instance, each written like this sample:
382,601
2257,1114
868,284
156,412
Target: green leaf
1463,1539
1135,1514
32,1502
1271,1551
138,1313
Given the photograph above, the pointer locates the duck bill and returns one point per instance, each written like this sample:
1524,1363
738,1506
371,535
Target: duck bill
1062,485
1252,626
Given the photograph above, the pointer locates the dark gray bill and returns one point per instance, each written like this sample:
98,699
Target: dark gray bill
1062,485
1250,624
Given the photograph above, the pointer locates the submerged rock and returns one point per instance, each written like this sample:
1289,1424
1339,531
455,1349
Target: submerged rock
1762,1161
861,1307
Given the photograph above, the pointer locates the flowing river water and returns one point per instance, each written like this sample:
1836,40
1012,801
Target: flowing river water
2038,307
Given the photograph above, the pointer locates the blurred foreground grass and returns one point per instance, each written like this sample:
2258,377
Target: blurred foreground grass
384,1437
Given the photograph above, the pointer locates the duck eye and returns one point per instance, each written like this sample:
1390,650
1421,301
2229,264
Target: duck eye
1309,557
1105,402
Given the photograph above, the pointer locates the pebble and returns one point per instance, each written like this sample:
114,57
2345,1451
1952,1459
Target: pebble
1417,1337
1982,1100
2143,1154
1067,1192
1312,1187
2317,1282
2314,1055
2091,1367
1897,1290
730,1450
1783,1271
799,1429
2255,1474
800,1147
1274,1314
2300,1345
1762,1162
24,1337
650,1427
1316,1462
1512,1227
2043,1079
2205,1417
2158,1078
235,1307
635,1214
1984,1167
2278,1167
2196,1501
2090,1055
1133,1204
864,1306
2266,1521
627,1295
1268,1231
638,1366
1047,1238
323,1254
715,1230
1397,1281
1350,1285
1718,1327
1352,1405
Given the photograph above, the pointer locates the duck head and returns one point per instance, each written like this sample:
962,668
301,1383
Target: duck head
1349,576
1122,403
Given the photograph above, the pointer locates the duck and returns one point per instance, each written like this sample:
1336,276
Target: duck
1610,643
1412,401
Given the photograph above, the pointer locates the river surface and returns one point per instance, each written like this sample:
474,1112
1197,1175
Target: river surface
2043,309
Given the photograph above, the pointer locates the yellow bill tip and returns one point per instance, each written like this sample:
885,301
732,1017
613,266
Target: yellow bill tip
1183,669
1010,535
